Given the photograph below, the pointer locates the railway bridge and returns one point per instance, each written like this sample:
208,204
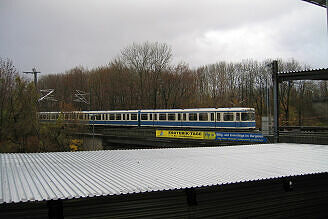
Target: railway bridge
151,137
165,137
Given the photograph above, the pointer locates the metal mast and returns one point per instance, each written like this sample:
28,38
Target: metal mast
35,76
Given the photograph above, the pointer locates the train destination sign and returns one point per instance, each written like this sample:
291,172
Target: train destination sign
231,136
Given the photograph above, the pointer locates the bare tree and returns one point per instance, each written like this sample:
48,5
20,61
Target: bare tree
148,60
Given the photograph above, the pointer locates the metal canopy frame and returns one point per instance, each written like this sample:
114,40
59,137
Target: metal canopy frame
318,74
321,3
278,77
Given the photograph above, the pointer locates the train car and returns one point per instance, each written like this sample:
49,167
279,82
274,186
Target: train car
200,118
223,118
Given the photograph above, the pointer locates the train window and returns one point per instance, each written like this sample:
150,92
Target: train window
118,116
237,116
81,116
218,116
212,116
144,116
155,116
228,116
192,116
171,116
127,116
162,116
57,116
150,116
66,116
247,116
184,117
203,116
111,116
179,116
134,116
98,117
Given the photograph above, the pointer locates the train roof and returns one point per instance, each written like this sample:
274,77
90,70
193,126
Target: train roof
164,110
199,109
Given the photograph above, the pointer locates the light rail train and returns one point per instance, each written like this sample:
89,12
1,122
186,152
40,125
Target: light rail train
225,118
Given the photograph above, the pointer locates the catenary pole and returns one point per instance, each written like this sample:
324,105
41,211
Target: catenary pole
275,101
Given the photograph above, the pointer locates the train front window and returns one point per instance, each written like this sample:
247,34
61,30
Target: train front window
249,116
203,117
228,116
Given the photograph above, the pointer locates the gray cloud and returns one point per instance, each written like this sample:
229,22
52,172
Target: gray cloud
58,35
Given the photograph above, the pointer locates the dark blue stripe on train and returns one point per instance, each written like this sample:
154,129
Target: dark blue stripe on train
176,124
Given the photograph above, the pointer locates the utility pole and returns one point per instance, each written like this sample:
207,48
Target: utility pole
275,101
35,76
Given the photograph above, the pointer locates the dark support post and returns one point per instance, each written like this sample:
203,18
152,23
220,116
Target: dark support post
275,100
55,209
191,196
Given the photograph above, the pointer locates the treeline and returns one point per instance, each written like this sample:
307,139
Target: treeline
20,130
143,77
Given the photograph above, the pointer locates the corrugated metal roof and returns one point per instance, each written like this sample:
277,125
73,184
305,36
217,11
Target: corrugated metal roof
67,175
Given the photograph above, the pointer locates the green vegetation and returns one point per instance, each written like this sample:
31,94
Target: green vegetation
20,130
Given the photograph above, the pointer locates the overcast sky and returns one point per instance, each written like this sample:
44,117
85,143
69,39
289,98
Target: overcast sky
55,36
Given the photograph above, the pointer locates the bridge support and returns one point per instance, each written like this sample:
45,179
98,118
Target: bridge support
92,143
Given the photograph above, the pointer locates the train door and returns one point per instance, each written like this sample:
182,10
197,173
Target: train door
139,118
212,119
180,119
237,120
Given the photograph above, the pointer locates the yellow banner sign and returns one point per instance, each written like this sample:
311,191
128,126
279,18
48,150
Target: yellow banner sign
184,134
